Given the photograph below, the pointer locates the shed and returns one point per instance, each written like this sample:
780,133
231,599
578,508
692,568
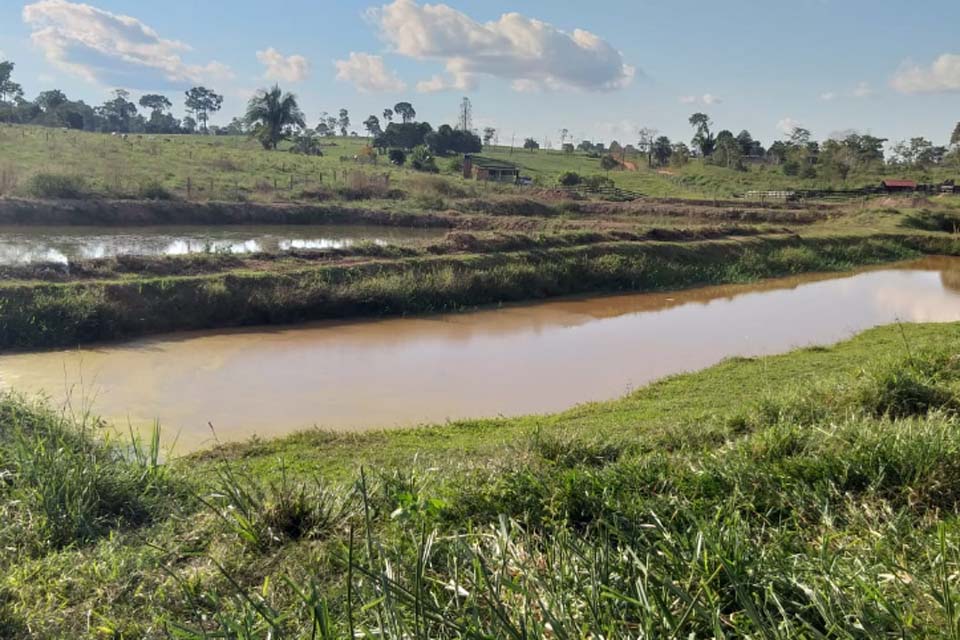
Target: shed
480,168
898,185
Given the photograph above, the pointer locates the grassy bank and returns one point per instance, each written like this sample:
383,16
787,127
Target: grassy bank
42,314
807,495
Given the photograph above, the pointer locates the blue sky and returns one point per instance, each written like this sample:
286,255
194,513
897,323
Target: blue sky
601,70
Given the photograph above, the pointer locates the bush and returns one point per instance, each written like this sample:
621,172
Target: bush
155,191
56,185
569,179
608,163
597,182
397,157
422,160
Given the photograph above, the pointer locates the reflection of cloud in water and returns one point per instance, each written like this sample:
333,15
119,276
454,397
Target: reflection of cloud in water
919,306
23,245
19,254
325,243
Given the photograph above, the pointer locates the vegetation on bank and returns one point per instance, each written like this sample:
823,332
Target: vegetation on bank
47,314
807,495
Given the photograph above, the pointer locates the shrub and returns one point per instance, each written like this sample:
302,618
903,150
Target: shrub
436,186
397,157
608,163
155,191
422,160
57,185
569,179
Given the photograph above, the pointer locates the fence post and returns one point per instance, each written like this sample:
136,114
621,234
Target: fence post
189,187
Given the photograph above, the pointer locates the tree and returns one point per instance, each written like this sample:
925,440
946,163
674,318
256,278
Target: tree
489,133
800,137
680,154
646,138
661,150
702,139
568,148
388,115
954,138
189,125
397,157
50,100
9,90
530,144
748,146
447,140
564,134
728,152
118,113
343,122
155,102
273,115
372,125
201,102
403,136
406,112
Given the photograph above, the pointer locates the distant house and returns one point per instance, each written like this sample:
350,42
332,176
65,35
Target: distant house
895,186
480,168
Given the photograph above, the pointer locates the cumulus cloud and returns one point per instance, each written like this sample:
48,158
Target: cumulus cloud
293,68
112,49
368,73
941,76
527,52
706,99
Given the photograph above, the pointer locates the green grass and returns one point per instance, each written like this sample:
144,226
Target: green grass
812,494
237,168
45,314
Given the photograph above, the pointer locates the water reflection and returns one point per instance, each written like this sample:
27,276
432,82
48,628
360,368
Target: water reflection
509,361
26,245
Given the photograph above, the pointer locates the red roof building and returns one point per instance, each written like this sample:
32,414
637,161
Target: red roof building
899,185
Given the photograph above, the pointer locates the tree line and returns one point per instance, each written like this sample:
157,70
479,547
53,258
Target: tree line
796,155
119,114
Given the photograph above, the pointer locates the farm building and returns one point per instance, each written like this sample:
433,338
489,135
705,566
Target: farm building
893,186
480,168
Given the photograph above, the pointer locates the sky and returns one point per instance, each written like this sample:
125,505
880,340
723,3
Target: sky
601,70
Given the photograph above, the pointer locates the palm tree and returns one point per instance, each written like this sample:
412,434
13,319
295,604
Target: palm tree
272,113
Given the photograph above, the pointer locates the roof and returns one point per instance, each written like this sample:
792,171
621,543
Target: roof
487,163
904,184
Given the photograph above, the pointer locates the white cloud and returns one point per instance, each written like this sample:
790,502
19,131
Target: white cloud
707,99
112,49
787,125
368,73
941,76
862,90
528,52
828,96
294,68
439,83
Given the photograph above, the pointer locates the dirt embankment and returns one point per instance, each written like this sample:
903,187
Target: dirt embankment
14,211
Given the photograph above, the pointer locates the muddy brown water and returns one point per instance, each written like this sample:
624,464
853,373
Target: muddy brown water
26,245
508,361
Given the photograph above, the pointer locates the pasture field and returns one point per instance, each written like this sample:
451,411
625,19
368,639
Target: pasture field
232,168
